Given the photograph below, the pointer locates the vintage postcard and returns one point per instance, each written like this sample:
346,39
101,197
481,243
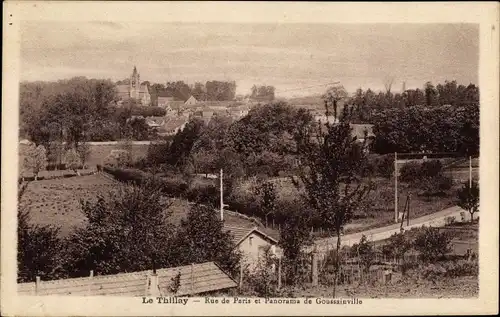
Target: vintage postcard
249,158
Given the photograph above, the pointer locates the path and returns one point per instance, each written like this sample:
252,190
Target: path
436,219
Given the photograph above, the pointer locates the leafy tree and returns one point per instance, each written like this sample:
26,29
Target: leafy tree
432,243
201,238
265,137
72,160
36,159
468,198
294,236
125,231
331,163
199,91
266,193
37,250
183,142
263,278
220,90
263,93
84,152
125,155
397,246
364,250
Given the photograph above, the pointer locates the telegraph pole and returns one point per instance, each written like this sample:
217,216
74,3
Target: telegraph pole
221,198
395,187
470,171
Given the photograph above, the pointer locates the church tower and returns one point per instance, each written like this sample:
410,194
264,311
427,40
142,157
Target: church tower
135,84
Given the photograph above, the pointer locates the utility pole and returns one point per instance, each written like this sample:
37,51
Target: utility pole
395,187
470,171
221,198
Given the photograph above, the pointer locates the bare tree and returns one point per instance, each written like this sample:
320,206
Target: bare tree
330,174
388,84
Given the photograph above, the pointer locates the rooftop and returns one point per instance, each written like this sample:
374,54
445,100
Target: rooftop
194,279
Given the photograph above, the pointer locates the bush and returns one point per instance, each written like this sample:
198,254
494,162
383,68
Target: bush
432,243
431,168
451,269
385,166
410,172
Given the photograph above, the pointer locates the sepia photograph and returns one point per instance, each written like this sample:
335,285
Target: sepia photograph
191,162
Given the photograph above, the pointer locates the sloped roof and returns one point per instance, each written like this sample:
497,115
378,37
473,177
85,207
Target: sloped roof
195,279
239,234
173,123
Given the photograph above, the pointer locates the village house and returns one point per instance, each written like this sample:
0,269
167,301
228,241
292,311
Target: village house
195,279
134,90
253,243
167,99
172,125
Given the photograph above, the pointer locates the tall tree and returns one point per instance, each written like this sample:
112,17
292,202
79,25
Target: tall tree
37,250
201,238
468,198
125,231
330,173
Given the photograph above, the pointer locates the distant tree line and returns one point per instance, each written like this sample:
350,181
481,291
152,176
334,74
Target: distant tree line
210,91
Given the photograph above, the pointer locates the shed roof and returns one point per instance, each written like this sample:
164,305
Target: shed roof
194,279
240,234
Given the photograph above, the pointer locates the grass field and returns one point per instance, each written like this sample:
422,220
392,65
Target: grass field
57,201
378,208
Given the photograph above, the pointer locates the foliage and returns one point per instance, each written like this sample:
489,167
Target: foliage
83,151
175,283
130,214
183,142
264,138
262,93
220,90
450,269
432,243
420,128
385,166
263,279
201,237
364,250
266,194
410,172
397,246
468,198
294,236
72,160
331,164
36,159
37,250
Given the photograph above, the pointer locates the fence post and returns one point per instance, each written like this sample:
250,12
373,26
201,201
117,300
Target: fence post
315,269
279,272
37,285
192,278
90,284
241,276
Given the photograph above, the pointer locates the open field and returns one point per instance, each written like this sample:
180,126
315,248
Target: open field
57,201
378,209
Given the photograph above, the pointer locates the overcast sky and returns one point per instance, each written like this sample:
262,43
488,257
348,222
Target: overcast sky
288,56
